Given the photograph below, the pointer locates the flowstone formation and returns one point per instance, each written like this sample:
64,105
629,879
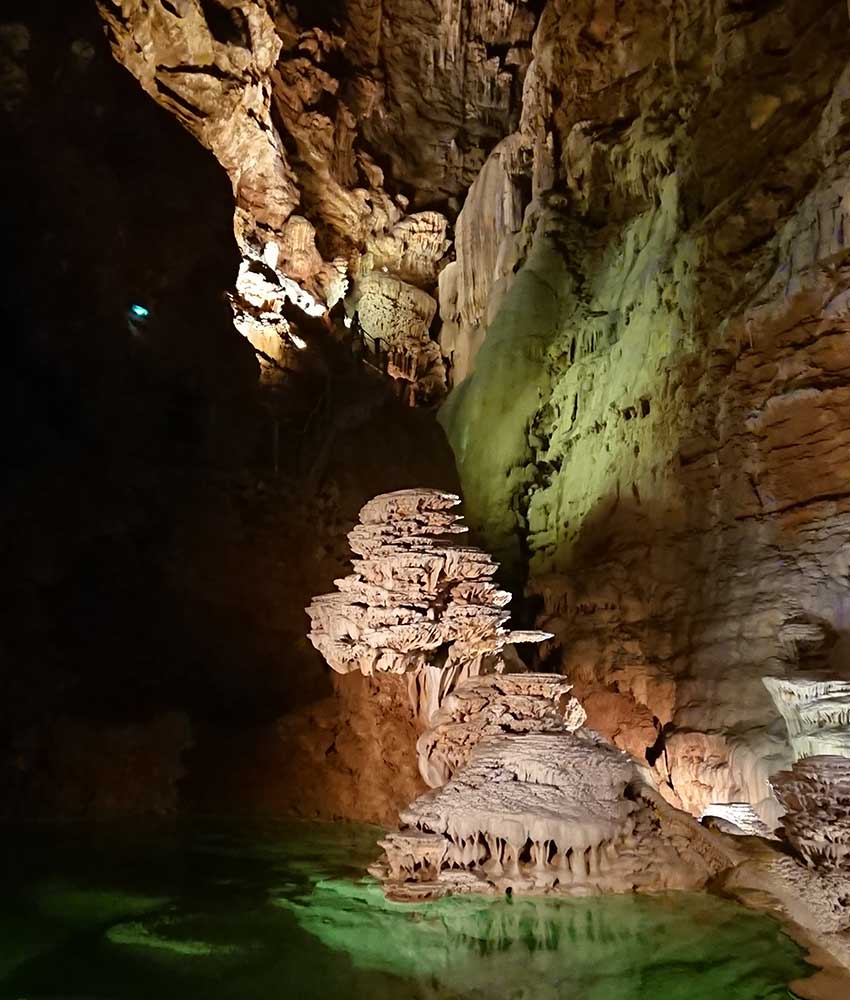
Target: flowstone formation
416,603
534,803
494,705
648,315
816,711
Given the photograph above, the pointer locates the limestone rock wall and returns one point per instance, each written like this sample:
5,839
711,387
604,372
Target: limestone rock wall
633,218
653,431
331,123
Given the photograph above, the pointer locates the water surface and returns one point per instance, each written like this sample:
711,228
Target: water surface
280,911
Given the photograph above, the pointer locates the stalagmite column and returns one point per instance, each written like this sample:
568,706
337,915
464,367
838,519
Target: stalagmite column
523,797
416,602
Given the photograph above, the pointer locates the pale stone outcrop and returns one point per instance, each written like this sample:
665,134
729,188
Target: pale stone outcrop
736,818
816,713
815,795
396,318
415,603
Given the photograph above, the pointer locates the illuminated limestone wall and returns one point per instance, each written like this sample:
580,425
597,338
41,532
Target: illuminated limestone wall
654,431
645,316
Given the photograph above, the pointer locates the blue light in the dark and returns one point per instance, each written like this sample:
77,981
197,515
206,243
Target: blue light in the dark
139,311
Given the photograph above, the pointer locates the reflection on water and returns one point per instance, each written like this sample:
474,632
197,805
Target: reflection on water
284,912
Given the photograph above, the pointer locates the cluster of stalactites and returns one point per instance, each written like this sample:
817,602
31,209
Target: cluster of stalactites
816,713
418,860
815,794
415,601
539,811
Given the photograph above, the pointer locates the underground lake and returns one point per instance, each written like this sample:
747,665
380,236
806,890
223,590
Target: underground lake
284,910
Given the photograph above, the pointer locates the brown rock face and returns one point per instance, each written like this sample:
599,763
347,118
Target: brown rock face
628,221
653,426
329,129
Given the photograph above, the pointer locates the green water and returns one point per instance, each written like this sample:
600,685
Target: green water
283,911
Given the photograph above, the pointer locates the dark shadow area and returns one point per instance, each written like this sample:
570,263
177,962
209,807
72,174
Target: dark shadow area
156,559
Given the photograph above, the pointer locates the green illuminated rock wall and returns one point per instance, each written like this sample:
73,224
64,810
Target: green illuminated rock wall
651,434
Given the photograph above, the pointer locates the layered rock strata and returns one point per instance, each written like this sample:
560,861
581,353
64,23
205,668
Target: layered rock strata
415,603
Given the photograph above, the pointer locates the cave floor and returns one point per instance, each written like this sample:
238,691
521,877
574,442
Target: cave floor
283,910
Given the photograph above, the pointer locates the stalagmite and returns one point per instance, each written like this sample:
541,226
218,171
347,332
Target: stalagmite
415,602
492,705
523,797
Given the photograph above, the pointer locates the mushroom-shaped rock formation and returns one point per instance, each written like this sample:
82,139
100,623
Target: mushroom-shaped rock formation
416,602
492,705
815,794
816,713
535,804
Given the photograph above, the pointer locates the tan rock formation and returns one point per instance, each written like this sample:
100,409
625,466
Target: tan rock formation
294,110
413,250
816,713
815,795
396,318
536,804
492,705
416,603
654,419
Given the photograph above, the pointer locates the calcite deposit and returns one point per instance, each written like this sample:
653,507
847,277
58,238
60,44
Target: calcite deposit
534,803
492,705
816,711
416,603
815,795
